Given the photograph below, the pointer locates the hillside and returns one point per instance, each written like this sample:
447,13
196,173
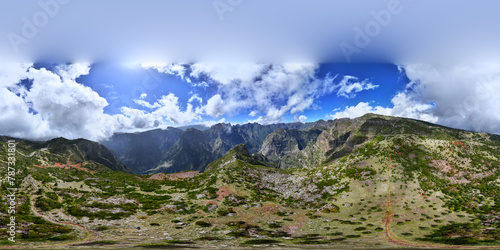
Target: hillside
62,152
374,182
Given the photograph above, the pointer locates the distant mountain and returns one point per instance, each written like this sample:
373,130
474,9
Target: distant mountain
283,145
67,152
143,151
175,150
371,181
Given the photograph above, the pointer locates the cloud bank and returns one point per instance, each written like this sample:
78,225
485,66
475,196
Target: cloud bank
268,92
37,103
255,31
459,96
43,104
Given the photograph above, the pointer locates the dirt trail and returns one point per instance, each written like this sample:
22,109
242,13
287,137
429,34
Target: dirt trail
89,235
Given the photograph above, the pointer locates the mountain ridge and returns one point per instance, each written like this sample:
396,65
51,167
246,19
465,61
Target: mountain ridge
370,181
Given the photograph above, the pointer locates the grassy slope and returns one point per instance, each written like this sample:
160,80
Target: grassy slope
339,202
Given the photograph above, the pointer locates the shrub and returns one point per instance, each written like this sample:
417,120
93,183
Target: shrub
203,223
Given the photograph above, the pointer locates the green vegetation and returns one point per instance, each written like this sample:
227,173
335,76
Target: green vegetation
444,189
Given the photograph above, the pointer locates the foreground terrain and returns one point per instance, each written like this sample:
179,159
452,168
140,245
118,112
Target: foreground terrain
371,182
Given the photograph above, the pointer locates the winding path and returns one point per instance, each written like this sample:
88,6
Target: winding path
89,235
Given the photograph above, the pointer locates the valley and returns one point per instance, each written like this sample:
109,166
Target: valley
372,182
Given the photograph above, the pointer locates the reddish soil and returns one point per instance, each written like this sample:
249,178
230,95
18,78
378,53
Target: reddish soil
459,143
206,202
443,166
175,176
79,166
223,192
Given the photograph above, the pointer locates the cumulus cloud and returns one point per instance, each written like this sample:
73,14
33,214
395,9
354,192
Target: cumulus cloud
301,119
196,98
403,106
464,96
351,85
215,106
166,108
55,104
209,124
167,68
459,96
12,73
272,90
359,110
73,71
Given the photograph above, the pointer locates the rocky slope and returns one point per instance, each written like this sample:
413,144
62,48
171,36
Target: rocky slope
176,150
375,181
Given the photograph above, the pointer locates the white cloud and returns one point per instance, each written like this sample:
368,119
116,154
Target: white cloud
253,113
137,118
301,119
273,89
167,68
143,96
209,124
202,84
55,105
270,89
359,110
195,97
15,118
464,96
166,108
12,73
171,111
73,71
215,106
227,73
351,85
147,104
403,106
406,106
459,96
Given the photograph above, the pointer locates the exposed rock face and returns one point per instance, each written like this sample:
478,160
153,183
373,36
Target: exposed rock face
278,144
284,147
175,150
30,182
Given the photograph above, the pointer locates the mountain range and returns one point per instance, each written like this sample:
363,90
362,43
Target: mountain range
174,150
374,181
283,145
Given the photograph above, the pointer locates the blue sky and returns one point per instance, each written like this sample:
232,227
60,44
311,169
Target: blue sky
93,101
122,84
131,65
